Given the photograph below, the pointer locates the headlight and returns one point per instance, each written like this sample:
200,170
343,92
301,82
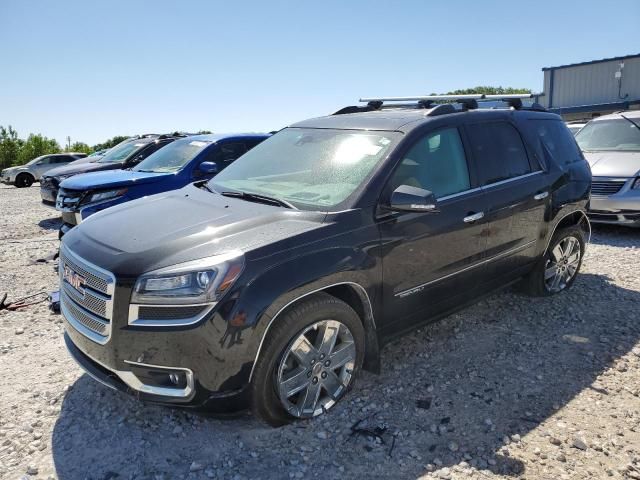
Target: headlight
198,281
100,196
636,184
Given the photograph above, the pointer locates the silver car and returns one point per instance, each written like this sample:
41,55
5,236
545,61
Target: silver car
25,175
611,144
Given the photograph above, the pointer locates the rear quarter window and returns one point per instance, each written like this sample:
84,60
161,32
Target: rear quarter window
553,139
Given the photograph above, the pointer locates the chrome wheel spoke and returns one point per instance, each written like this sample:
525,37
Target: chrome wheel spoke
550,271
303,350
294,382
556,282
327,337
574,258
310,398
344,354
332,385
557,252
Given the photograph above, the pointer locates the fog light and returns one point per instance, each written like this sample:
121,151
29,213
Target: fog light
175,378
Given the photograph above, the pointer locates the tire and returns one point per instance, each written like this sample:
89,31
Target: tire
320,314
24,180
537,284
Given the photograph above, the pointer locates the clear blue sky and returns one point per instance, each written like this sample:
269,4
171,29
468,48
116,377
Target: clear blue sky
94,69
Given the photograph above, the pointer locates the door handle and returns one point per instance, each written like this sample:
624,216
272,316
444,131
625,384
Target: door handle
540,196
473,217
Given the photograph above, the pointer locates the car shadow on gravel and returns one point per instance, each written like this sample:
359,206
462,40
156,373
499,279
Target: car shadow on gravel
460,390
605,234
52,223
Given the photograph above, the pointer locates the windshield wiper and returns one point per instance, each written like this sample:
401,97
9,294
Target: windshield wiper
254,197
632,122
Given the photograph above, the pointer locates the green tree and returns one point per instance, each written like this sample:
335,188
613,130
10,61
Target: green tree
489,91
79,147
9,146
112,142
36,145
204,132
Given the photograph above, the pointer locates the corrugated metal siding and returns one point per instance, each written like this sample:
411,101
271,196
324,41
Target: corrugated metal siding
592,84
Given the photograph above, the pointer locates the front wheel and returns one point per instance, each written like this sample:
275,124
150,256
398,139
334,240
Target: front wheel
24,180
309,360
558,268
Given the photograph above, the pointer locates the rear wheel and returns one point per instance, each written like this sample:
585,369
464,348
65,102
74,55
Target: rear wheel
309,361
24,180
558,268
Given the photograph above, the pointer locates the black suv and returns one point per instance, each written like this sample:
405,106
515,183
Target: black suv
274,283
126,154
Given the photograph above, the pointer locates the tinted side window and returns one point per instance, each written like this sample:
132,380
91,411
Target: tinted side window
228,152
63,159
499,151
251,143
554,139
145,152
437,163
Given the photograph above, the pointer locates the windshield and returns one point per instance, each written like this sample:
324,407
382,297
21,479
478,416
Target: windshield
309,168
619,134
121,152
172,157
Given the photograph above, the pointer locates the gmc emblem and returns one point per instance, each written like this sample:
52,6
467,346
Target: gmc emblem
72,278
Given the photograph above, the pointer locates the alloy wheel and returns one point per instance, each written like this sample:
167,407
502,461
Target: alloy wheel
562,264
316,369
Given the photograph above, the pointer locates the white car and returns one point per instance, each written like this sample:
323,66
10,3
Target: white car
24,175
575,127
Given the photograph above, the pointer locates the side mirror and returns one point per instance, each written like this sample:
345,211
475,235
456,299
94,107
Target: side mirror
208,168
413,199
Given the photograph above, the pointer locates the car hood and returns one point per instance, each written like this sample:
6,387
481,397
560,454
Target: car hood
112,179
82,160
613,164
183,225
75,168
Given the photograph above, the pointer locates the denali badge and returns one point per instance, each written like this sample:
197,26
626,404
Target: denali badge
75,280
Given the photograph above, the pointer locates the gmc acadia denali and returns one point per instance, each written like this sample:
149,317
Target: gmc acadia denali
275,282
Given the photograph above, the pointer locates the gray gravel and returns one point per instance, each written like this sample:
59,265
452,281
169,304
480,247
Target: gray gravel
511,387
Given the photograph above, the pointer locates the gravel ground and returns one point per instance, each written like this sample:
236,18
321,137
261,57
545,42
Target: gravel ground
512,387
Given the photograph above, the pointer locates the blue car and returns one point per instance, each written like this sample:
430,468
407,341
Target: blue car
197,157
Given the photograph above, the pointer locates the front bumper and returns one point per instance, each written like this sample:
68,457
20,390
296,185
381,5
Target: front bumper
73,212
7,179
620,208
194,366
48,195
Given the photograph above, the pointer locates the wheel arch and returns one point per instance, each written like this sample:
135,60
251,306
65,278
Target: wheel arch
574,217
354,295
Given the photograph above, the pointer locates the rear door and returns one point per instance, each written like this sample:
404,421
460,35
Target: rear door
517,194
432,260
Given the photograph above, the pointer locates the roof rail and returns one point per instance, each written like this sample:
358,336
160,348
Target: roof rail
467,101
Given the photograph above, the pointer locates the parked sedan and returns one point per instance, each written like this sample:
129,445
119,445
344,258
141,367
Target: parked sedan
24,175
611,145
575,127
184,161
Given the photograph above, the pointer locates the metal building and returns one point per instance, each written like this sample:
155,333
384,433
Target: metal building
588,89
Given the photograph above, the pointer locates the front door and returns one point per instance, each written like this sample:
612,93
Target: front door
431,260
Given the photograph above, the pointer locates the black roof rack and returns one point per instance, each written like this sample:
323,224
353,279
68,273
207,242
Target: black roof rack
436,102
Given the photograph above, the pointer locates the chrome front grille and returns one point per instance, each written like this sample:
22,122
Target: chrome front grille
604,188
88,309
